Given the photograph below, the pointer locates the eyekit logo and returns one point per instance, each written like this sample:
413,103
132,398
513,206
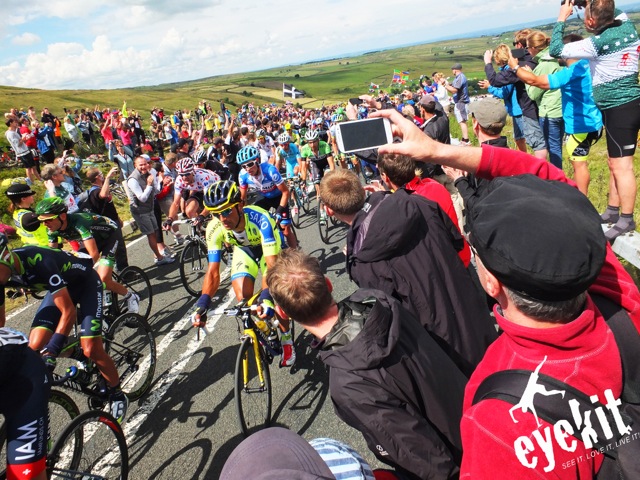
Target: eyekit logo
562,431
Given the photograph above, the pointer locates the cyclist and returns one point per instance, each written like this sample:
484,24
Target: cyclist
100,238
295,138
25,409
256,244
318,156
265,179
290,153
69,280
264,144
190,187
342,158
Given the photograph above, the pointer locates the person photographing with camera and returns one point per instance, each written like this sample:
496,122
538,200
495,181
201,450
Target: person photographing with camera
612,53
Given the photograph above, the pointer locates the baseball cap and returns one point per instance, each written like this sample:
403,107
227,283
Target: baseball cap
182,142
282,453
540,238
488,111
426,99
456,66
19,190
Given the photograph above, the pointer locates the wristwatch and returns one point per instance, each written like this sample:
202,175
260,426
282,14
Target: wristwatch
515,69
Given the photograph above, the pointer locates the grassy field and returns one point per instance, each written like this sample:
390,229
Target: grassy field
326,82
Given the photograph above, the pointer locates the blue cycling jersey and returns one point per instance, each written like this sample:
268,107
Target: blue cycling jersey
291,156
266,183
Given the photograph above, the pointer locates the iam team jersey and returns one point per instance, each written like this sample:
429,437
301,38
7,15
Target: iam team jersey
266,183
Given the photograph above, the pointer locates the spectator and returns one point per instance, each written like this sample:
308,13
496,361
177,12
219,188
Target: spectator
613,59
529,123
56,186
549,101
460,91
45,142
407,247
582,119
124,159
71,129
29,229
435,122
441,93
19,142
388,378
143,186
507,93
167,177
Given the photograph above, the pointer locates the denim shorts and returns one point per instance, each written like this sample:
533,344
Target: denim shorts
533,134
518,127
460,111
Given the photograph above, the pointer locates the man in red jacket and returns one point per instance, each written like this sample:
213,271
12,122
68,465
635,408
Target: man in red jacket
542,254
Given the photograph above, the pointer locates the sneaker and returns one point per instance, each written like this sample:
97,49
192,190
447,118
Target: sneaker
164,261
168,252
133,302
288,351
118,404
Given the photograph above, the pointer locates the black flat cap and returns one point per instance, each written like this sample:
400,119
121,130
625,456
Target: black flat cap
19,190
538,237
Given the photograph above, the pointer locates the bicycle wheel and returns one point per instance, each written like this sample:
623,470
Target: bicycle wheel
132,346
137,281
252,395
193,266
323,222
62,410
102,453
294,207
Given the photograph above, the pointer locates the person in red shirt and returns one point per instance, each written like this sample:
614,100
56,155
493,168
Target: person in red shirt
30,139
542,254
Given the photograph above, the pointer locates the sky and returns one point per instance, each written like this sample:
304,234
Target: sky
105,44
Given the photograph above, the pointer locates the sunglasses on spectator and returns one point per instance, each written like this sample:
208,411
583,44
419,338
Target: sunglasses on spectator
249,164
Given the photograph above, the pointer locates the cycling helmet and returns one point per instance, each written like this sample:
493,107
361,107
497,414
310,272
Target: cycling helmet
340,117
284,138
319,121
185,166
311,135
246,154
261,133
221,195
50,208
200,156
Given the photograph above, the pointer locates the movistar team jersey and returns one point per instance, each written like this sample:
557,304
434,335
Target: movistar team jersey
291,156
266,183
84,226
49,269
260,231
323,150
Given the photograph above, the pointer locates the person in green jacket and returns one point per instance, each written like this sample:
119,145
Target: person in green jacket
549,101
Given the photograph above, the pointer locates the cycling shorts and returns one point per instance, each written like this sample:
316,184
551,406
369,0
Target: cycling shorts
88,296
26,383
622,125
247,261
317,169
193,196
109,247
291,169
579,144
273,202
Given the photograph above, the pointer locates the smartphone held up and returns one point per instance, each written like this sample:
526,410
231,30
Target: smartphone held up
364,134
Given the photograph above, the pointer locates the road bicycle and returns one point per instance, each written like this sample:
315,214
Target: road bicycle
298,200
90,445
137,281
193,259
259,345
324,220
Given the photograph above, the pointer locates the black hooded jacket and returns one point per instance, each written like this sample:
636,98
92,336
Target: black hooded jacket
406,246
390,381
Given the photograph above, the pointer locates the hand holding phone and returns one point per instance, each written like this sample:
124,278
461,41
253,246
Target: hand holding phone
361,135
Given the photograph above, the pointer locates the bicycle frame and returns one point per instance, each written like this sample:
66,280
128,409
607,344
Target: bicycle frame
255,343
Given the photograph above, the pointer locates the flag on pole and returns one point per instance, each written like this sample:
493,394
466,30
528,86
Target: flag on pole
374,86
289,90
405,77
124,109
396,77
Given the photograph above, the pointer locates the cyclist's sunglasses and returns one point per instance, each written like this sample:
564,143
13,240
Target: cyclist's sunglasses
249,164
46,218
226,213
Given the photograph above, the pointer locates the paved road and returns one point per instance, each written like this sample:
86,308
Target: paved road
186,427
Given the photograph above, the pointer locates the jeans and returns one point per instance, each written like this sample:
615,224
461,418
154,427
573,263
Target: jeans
553,130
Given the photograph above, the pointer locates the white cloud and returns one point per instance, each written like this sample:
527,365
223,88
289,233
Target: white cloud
120,43
26,38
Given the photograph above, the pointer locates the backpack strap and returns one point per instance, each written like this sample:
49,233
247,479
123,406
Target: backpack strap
628,341
510,385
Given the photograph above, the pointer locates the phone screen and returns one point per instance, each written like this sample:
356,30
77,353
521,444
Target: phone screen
363,134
